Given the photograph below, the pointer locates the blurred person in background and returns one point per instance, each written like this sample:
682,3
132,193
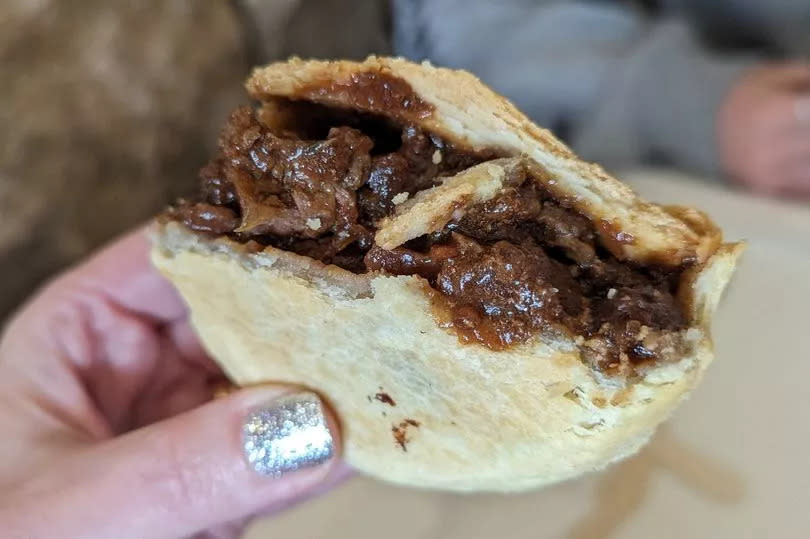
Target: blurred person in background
720,89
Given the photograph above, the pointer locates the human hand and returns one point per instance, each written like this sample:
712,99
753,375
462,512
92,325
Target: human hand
107,429
764,130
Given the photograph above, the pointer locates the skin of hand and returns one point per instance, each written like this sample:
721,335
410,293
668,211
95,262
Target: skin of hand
108,424
764,130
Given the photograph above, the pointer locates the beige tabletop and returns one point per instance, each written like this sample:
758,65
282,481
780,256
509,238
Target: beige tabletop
731,463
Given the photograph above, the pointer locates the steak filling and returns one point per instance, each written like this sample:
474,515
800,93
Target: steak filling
519,265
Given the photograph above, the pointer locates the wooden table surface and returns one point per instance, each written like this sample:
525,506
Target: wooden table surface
731,463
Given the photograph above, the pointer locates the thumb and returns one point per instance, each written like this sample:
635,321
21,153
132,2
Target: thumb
223,461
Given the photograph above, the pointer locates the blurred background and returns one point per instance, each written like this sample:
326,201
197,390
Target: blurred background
109,108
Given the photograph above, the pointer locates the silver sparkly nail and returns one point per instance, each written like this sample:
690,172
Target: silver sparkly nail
288,435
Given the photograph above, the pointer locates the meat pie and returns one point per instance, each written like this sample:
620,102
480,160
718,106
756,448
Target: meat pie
388,228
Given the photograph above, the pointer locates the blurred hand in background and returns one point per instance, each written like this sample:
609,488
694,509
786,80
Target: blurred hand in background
764,130
708,88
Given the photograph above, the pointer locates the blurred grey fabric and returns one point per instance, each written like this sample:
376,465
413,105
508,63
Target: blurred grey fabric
624,87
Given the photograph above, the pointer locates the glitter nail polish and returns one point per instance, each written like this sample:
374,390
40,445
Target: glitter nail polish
288,434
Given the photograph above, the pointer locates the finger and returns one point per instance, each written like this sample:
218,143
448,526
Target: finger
788,174
776,118
123,273
791,76
74,340
338,474
796,147
797,180
103,328
121,276
175,386
801,113
780,155
233,530
188,345
187,474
